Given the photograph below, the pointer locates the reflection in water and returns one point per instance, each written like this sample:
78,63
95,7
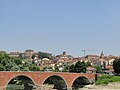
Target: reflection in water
20,83
57,82
20,87
15,87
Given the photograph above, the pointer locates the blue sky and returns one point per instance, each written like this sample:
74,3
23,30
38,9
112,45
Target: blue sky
60,25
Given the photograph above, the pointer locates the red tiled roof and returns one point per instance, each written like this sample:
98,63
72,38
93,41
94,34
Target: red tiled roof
91,68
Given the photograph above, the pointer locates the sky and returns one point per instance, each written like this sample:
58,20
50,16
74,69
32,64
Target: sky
60,25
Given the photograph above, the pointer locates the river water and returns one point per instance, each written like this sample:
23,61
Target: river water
111,87
15,87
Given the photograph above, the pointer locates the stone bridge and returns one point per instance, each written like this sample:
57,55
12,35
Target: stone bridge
39,78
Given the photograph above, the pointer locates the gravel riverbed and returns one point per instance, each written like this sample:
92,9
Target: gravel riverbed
111,86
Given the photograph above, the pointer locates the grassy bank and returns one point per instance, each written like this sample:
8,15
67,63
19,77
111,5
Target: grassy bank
106,79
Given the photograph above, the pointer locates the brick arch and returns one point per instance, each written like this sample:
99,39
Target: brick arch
57,76
79,77
18,76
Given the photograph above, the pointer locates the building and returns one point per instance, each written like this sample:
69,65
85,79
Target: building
14,54
28,54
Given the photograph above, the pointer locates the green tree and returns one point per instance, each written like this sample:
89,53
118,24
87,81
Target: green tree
3,55
56,68
8,66
80,67
33,56
4,58
15,68
17,60
4,61
88,63
98,69
66,68
15,64
42,55
25,69
116,65
2,68
34,68
72,68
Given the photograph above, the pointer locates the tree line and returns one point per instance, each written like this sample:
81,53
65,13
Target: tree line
15,63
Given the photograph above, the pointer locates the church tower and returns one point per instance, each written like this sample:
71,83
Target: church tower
102,55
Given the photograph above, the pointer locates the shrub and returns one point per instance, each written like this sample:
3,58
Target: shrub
106,79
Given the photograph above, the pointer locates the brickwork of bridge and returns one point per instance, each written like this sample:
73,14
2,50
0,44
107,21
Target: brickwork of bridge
39,77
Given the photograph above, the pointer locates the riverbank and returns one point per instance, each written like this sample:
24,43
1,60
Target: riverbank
111,86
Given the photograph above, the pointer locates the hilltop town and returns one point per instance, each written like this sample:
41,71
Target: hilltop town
48,62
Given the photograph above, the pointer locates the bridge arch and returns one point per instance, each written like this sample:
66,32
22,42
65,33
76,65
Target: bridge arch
22,77
80,82
58,81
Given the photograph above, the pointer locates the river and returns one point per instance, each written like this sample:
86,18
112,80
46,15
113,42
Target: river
88,87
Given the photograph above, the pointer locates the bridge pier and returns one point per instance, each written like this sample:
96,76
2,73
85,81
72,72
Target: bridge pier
2,88
69,88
